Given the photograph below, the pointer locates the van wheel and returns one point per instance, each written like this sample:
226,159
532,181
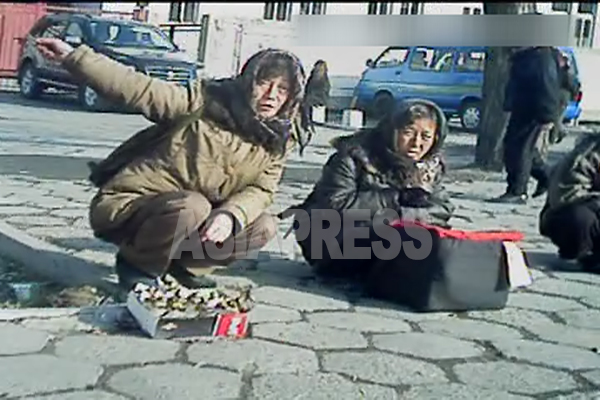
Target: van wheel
29,86
470,116
382,104
90,100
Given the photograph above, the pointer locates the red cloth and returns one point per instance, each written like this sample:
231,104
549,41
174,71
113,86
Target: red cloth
478,236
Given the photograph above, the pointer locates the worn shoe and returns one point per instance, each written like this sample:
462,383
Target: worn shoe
590,263
509,198
129,275
189,280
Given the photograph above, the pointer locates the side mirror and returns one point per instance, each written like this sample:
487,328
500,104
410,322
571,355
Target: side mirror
73,40
369,63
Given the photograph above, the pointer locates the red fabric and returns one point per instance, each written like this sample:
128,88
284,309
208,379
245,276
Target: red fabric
478,236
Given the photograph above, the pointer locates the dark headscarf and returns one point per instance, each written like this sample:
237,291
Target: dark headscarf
228,101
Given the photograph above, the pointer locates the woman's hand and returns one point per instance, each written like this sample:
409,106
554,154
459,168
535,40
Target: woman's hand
217,229
54,49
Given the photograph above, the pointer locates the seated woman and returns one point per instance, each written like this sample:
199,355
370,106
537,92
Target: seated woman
394,166
571,216
179,193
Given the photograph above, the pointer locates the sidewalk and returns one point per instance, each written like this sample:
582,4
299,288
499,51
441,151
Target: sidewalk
308,340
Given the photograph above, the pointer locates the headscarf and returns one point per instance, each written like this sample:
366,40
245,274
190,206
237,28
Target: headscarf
228,101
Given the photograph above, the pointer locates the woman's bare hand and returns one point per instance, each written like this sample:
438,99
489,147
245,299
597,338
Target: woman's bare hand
218,229
54,49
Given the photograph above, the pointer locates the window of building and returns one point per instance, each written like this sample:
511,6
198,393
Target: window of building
429,59
415,8
470,61
477,11
175,12
278,11
379,8
191,12
314,8
466,10
587,8
392,57
562,7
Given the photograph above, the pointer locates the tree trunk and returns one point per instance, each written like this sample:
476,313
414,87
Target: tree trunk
488,152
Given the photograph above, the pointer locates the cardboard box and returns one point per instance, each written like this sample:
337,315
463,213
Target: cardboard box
161,324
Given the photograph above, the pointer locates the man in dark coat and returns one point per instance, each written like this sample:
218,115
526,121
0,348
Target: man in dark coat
533,99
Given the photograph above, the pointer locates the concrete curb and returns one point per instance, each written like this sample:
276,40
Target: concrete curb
52,262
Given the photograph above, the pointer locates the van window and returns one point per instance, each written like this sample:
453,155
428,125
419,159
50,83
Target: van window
470,61
392,57
431,59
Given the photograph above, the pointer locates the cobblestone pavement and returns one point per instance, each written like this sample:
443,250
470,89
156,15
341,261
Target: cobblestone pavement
308,341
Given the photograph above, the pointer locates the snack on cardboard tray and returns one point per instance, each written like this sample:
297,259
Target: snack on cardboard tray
170,310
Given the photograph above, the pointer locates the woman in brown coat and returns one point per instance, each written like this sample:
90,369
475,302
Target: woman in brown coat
191,190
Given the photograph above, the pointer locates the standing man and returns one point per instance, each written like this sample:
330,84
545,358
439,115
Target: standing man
533,99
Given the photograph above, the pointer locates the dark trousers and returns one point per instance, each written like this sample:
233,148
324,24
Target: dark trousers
575,230
522,155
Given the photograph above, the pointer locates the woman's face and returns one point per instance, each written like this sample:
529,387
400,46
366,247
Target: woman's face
269,95
416,139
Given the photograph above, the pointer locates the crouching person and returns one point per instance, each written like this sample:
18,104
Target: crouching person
206,170
393,166
571,216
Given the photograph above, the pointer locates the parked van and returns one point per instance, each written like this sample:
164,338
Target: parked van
452,77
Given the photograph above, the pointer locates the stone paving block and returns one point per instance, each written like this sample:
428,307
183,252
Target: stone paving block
455,391
261,356
83,395
31,374
296,269
20,210
588,319
512,316
320,386
265,313
591,301
14,314
466,329
553,355
18,340
579,276
45,202
60,233
390,310
565,288
564,334
516,378
296,299
310,335
32,220
70,213
541,302
61,324
116,350
593,376
579,396
176,381
378,367
427,345
358,322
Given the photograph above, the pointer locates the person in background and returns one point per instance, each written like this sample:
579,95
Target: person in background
396,165
569,88
571,216
316,94
532,98
210,164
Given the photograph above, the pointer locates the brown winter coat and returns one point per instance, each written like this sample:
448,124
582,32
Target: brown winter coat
237,175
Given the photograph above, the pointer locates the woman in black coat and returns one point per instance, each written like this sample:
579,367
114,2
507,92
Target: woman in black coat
393,166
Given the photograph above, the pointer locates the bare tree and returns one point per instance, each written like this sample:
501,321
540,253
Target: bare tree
488,152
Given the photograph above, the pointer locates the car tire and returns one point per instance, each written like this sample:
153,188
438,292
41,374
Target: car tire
90,100
29,86
383,103
470,116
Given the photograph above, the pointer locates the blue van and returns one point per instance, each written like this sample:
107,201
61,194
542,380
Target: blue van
452,77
